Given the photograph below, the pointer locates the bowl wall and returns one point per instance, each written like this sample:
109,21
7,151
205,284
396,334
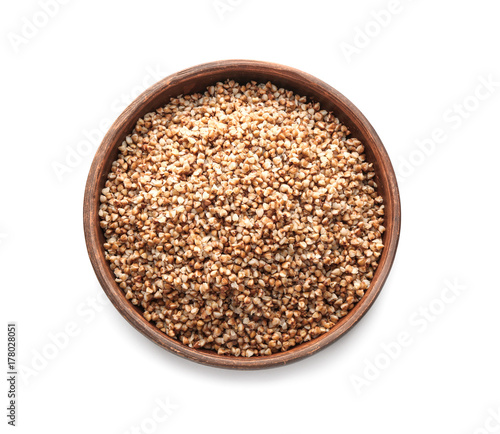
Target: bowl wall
196,79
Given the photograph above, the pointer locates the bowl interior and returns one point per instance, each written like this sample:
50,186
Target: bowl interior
196,79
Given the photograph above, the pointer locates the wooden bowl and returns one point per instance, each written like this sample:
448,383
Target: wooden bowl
196,79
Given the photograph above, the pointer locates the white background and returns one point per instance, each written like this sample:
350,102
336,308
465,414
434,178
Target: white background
409,78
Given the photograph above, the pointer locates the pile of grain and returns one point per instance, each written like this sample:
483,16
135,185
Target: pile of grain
243,220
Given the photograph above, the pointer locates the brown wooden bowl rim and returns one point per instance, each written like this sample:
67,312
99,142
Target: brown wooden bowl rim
131,314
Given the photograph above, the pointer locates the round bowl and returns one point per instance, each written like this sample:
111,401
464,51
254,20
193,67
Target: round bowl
196,79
